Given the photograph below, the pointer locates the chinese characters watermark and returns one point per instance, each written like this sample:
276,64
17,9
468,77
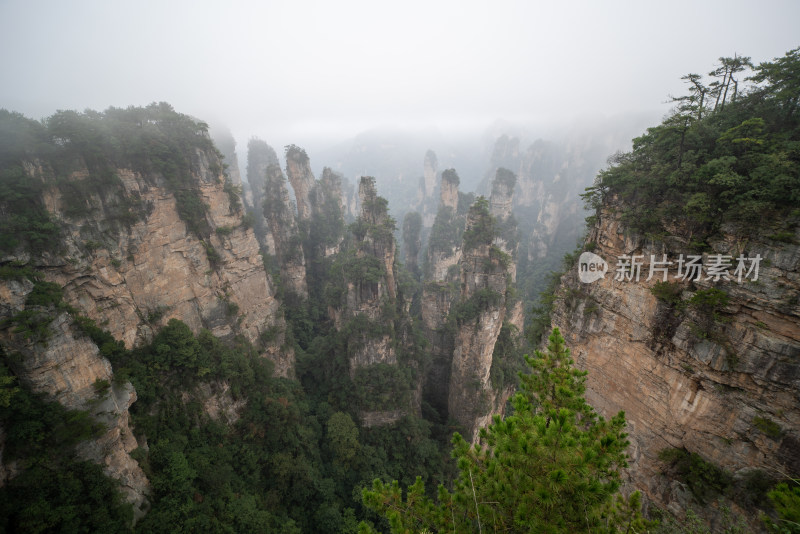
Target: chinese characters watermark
690,267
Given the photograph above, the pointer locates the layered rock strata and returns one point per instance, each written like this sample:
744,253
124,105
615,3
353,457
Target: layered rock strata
298,169
66,367
135,281
470,262
260,156
131,279
430,165
369,301
327,207
367,292
426,203
282,225
441,289
485,274
715,376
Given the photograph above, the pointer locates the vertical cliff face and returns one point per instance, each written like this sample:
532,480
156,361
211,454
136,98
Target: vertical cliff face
429,172
143,236
470,262
378,240
285,233
708,365
233,169
370,280
551,176
66,366
471,398
444,246
224,141
500,206
440,289
448,195
502,194
552,173
137,280
487,268
327,205
260,156
412,242
298,169
349,200
426,201
382,359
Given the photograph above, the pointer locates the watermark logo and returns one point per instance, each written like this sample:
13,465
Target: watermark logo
632,268
591,267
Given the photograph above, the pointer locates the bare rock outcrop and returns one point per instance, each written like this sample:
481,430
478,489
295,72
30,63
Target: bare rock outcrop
283,228
448,195
375,333
66,366
137,280
260,156
371,281
470,260
502,195
430,165
444,245
328,208
551,175
378,240
440,289
368,270
115,446
480,313
139,244
714,376
298,169
426,203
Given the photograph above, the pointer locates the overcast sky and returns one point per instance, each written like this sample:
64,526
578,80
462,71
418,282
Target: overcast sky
287,69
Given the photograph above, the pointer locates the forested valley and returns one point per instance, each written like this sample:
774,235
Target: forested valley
184,350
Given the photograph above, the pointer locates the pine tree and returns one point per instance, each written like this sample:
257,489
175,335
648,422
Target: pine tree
553,466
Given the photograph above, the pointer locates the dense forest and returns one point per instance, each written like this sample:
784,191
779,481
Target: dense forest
297,456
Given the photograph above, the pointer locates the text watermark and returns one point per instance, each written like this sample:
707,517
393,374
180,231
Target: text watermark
690,267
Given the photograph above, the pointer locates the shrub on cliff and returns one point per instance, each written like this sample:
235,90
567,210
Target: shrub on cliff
785,498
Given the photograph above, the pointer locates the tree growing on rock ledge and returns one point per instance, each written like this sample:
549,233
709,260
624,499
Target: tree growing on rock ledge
552,466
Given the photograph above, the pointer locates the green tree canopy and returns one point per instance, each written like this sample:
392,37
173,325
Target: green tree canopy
727,154
552,466
342,437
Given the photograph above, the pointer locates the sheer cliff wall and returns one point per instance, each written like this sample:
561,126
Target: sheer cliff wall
134,250
708,365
